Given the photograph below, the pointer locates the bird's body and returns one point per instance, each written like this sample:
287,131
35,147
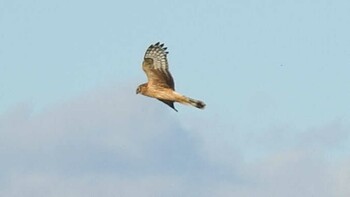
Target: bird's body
160,83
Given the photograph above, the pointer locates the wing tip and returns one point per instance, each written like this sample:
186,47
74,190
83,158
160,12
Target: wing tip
159,44
158,48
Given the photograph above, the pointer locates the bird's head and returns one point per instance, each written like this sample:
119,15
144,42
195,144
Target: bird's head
141,88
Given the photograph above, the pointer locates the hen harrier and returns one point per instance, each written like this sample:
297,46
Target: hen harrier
160,83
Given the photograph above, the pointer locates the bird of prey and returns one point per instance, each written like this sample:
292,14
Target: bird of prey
160,83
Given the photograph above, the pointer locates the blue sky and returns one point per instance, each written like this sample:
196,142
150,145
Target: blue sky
274,75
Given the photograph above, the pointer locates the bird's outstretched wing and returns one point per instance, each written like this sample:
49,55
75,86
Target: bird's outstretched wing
155,65
169,103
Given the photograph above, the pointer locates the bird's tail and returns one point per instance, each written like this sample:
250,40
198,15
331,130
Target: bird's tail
195,103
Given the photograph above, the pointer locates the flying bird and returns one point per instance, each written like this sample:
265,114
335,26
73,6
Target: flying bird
160,83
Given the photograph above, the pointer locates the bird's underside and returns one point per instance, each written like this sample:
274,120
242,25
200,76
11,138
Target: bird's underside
160,82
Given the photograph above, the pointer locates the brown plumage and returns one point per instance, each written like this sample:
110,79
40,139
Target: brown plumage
160,83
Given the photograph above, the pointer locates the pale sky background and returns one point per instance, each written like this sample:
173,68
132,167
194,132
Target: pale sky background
274,75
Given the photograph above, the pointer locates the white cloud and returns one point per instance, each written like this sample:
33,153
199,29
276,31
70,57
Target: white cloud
112,143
